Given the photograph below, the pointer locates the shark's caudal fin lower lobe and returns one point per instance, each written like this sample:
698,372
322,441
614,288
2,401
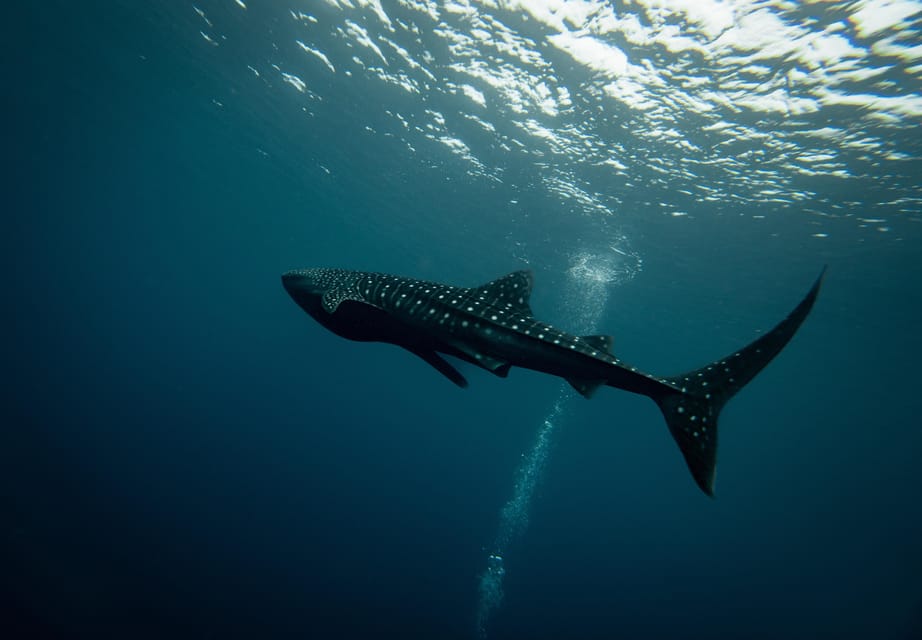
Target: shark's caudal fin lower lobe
692,411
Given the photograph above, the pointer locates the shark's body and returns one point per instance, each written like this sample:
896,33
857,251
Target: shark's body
493,327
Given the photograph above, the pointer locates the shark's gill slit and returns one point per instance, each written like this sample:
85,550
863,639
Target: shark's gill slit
587,295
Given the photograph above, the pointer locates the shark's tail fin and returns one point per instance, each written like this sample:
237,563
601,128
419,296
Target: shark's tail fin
692,409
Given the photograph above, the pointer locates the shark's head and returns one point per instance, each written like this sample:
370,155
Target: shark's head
313,281
322,294
308,286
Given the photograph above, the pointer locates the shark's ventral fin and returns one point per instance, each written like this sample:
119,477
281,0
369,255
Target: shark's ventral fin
491,364
586,388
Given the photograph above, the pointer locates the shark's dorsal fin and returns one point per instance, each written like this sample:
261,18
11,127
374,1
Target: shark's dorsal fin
337,295
602,343
511,291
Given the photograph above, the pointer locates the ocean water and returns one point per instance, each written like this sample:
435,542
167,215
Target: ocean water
186,454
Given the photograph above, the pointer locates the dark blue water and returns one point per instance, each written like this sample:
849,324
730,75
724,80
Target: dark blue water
186,454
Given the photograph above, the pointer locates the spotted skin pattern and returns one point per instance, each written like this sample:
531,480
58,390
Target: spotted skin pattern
492,326
501,304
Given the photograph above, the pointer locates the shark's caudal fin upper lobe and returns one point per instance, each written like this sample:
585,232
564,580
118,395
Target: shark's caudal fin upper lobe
692,411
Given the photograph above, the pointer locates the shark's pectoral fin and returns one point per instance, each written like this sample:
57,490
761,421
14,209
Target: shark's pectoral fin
336,296
442,366
585,387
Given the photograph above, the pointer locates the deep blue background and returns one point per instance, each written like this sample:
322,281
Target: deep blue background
185,454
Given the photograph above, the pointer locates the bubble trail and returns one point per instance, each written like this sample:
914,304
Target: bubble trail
586,297
514,518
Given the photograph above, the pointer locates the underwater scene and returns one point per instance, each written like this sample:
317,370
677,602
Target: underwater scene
528,219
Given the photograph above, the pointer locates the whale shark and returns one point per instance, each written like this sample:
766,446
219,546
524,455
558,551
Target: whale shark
492,326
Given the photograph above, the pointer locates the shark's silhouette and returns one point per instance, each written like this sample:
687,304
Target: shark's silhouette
493,327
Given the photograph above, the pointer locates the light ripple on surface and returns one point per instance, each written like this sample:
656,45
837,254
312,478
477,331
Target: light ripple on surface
734,103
